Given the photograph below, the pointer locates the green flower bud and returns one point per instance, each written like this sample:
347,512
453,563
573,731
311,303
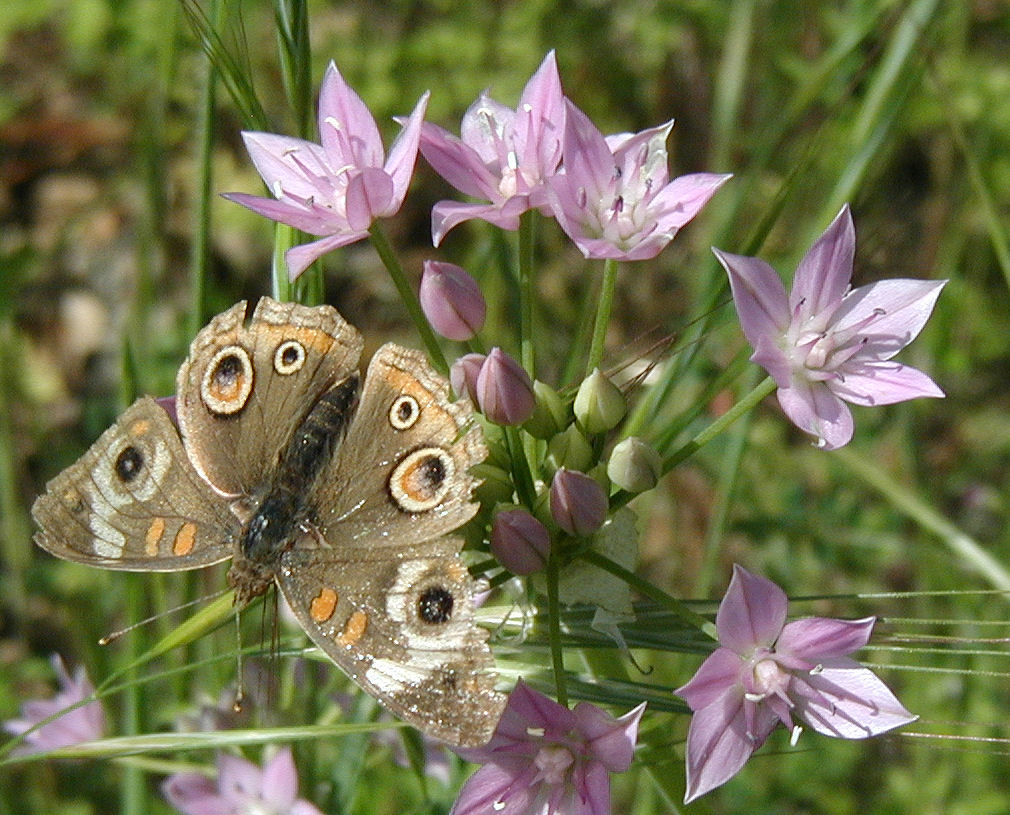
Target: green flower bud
550,413
634,465
599,404
496,484
569,449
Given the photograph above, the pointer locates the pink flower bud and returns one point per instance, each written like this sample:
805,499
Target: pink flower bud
463,375
519,541
504,390
451,300
578,503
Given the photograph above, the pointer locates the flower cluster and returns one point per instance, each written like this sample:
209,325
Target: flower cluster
564,462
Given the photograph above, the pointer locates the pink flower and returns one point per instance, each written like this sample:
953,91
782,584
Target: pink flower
84,723
826,345
241,788
502,155
545,759
615,198
766,671
337,188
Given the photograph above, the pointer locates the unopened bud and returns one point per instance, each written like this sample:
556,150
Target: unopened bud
634,465
578,502
599,403
519,541
451,300
463,375
503,389
550,413
570,449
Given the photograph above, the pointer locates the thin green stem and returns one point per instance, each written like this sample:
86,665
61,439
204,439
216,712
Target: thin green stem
603,310
200,248
409,297
527,241
751,400
554,628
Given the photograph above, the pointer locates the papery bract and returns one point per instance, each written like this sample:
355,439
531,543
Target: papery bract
766,671
614,198
337,188
545,759
825,345
502,155
241,788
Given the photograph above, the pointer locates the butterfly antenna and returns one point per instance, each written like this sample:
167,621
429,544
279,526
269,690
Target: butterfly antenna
239,679
115,635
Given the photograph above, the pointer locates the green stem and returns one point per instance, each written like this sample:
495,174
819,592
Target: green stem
603,314
527,241
751,400
554,628
199,251
646,589
409,297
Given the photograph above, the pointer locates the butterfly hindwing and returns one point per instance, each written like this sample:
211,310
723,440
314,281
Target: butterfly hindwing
403,629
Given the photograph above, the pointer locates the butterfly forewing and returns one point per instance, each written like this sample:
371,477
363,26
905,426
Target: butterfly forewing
401,473
135,502
244,390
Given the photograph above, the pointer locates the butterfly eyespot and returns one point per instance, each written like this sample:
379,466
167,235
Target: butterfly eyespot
289,357
422,479
404,413
434,605
128,464
228,381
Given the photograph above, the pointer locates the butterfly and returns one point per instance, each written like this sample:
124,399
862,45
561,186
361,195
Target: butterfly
339,491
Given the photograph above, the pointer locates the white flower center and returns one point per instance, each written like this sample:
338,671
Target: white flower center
770,678
553,762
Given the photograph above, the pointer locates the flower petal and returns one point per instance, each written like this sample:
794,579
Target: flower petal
895,312
588,162
752,613
289,164
319,221
592,783
347,128
299,258
847,701
543,102
194,794
717,745
403,152
825,271
457,162
884,383
717,674
448,214
813,407
492,785
280,780
683,198
611,741
369,195
759,297
816,638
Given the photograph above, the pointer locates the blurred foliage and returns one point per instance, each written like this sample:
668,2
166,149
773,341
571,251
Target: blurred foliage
898,107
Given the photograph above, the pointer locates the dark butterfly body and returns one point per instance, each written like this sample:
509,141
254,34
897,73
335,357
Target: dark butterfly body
337,491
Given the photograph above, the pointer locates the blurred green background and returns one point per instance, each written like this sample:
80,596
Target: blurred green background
900,108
